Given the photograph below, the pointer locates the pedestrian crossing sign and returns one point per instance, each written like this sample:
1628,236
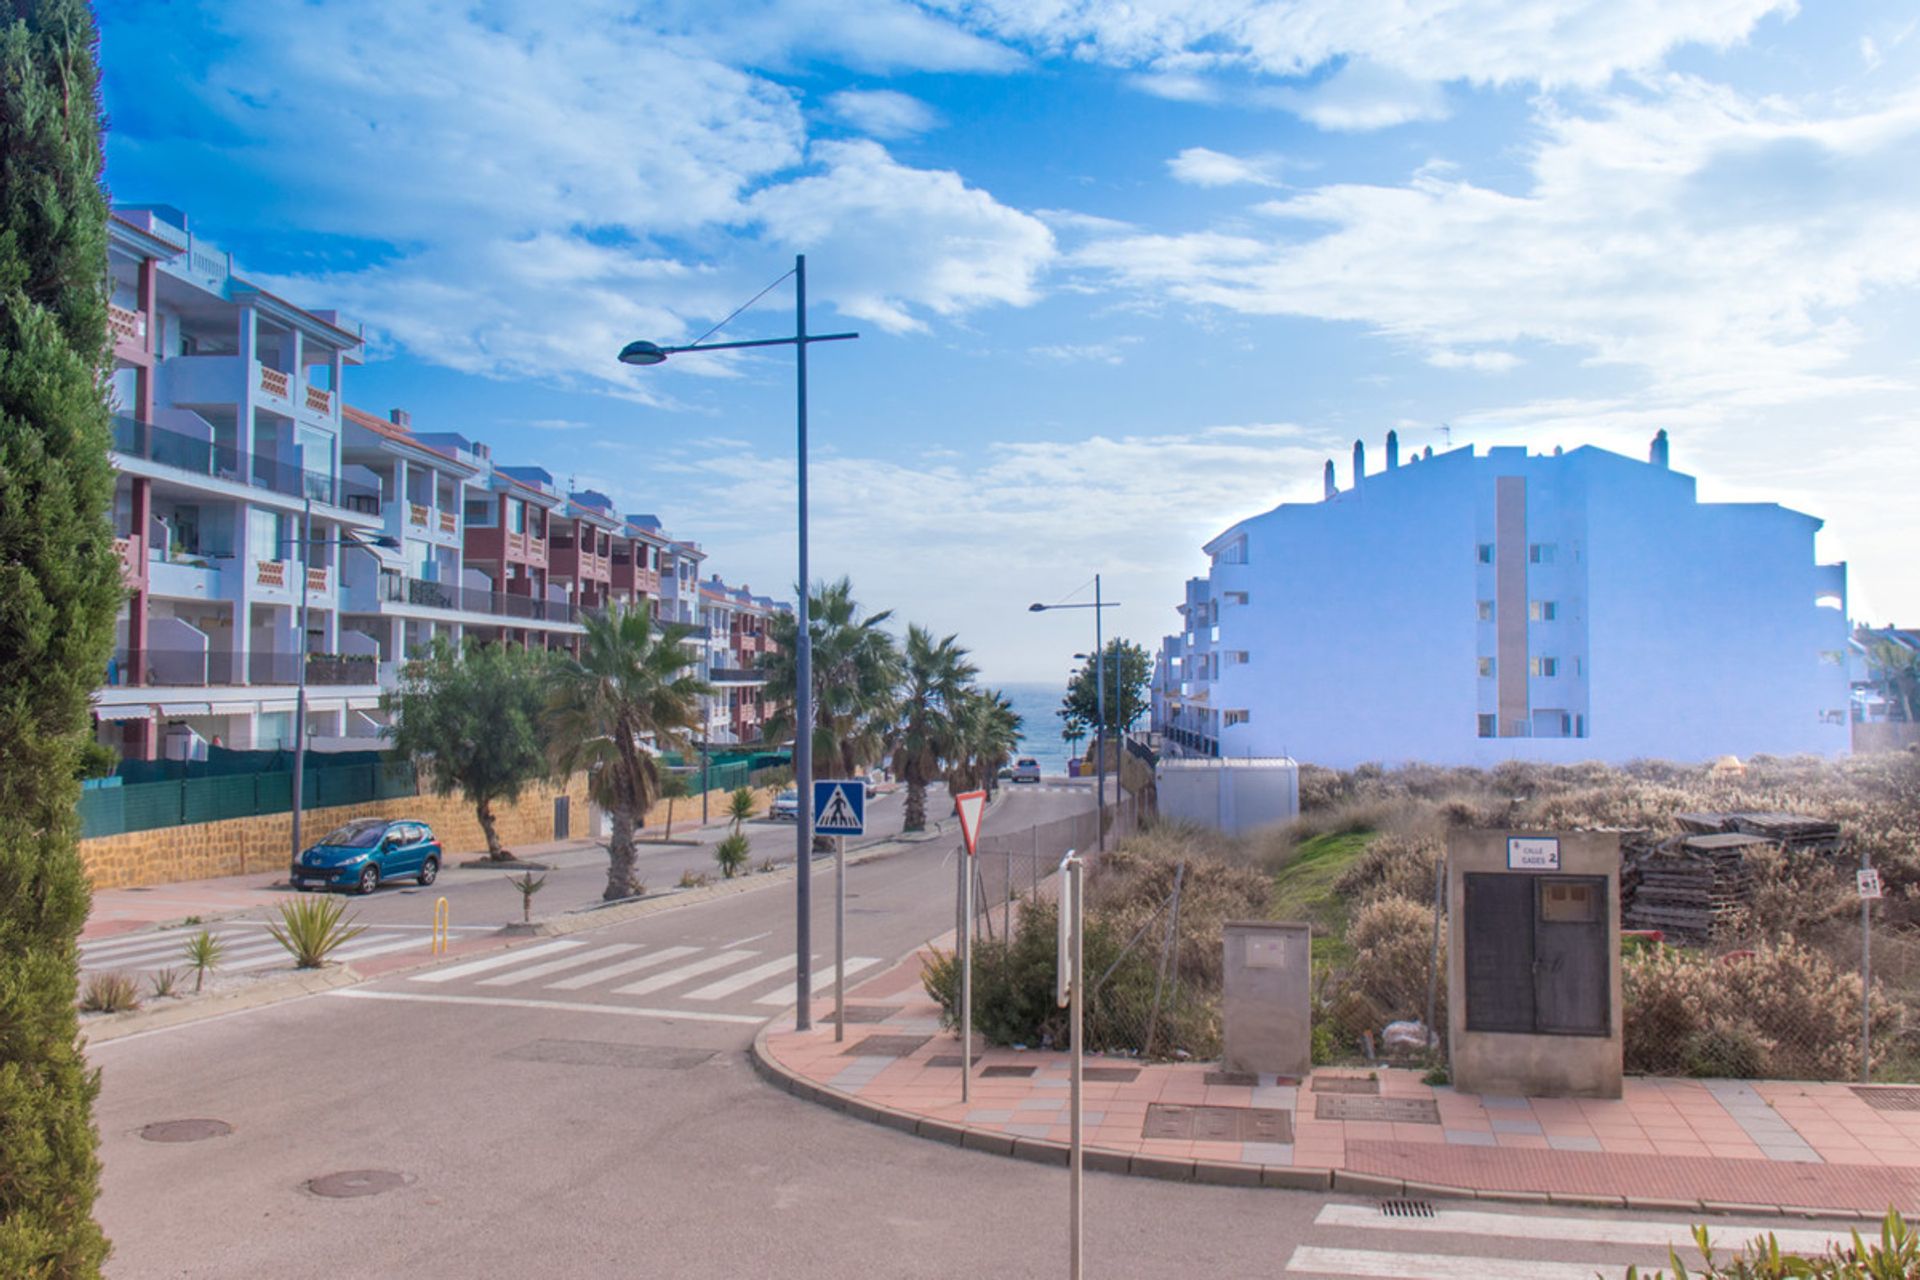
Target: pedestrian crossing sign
839,806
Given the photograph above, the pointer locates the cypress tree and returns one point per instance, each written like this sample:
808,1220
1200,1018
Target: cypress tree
59,590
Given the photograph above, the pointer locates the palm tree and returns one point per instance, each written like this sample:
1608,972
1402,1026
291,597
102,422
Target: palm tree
1073,732
624,697
1897,668
856,670
988,733
937,676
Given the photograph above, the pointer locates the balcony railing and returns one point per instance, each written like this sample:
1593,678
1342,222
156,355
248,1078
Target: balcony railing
449,523
417,514
729,675
319,399
273,382
317,579
130,558
220,461
271,573
195,668
130,325
500,604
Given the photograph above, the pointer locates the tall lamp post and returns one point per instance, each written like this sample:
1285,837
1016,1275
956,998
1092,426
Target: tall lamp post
649,353
1099,700
306,541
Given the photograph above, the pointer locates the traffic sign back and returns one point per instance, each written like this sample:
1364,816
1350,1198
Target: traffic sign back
839,806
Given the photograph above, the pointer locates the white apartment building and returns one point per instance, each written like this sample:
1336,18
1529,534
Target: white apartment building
1472,608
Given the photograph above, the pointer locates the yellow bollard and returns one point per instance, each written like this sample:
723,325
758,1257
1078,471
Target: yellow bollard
442,922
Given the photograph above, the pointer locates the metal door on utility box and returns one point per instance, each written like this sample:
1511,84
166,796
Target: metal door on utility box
1536,954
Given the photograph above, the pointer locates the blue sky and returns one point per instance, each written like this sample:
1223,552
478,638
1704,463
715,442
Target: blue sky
1123,275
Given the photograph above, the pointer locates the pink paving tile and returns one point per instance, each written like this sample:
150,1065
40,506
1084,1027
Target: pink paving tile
1626,1146
1216,1151
1419,1133
1379,1129
1521,1141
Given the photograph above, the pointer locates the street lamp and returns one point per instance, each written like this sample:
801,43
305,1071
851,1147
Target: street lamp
644,354
306,540
1099,701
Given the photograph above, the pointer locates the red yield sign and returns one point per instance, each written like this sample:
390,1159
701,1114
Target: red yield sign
971,804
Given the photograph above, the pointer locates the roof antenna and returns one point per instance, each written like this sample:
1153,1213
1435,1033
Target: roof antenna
1446,434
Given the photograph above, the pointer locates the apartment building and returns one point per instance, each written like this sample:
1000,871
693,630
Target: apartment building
1473,608
739,626
234,451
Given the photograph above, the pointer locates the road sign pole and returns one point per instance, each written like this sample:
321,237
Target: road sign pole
839,938
966,976
1069,959
1866,972
1077,1168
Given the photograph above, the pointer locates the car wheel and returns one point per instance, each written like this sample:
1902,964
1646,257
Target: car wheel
369,878
428,870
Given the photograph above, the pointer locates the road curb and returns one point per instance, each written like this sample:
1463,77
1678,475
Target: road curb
252,996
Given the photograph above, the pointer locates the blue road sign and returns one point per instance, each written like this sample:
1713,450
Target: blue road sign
839,807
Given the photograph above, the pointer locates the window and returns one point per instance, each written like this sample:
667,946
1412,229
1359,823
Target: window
1486,553
1578,667
1230,718
1540,553
264,535
1486,668
480,512
1234,552
1543,666
1541,611
1486,611
1234,597
516,516
1486,726
1831,657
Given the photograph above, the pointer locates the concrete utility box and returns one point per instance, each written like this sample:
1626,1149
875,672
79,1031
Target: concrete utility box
1533,963
1266,997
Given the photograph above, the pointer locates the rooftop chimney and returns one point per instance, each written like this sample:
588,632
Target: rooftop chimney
1427,452
1393,450
1327,480
400,418
1657,453
1359,463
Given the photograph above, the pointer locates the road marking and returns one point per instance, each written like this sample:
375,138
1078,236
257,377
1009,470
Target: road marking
1519,1226
518,976
139,959
625,967
130,946
741,942
1433,1266
822,979
253,956
386,943
741,981
570,1006
519,956
685,971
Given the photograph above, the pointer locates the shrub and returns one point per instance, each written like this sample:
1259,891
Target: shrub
1895,1253
311,929
204,953
164,983
527,884
732,854
691,879
1392,866
110,993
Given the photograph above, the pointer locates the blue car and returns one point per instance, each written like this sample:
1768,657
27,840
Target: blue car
362,854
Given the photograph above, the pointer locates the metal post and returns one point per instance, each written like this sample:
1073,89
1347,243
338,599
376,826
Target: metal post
1100,734
300,695
706,766
1006,893
966,977
1076,1168
839,937
803,695
1433,955
1866,981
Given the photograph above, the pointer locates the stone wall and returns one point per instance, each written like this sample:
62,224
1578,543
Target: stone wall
1885,735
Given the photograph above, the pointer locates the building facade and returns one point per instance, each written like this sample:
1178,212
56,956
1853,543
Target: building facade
1473,608
247,488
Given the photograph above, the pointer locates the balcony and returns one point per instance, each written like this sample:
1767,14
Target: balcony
319,400
735,675
445,595
184,580
203,668
317,579
132,554
212,459
270,573
273,382
127,326
449,523
417,515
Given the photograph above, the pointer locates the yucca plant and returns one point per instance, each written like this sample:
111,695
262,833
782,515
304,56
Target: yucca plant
311,929
1895,1254
110,993
164,983
204,954
740,805
528,884
732,854
691,879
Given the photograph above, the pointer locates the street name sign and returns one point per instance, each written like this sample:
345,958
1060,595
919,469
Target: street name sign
839,806
971,804
1533,853
1869,878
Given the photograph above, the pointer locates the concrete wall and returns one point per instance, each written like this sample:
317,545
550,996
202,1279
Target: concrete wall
1228,795
1885,735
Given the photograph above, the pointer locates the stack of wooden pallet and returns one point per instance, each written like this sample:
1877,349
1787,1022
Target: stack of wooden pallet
1688,886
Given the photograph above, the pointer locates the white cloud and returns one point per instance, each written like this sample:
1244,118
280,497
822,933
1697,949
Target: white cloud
1718,243
1363,95
1089,352
1204,167
884,113
905,239
1481,361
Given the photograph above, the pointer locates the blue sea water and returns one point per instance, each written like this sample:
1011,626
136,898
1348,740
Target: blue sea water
1039,726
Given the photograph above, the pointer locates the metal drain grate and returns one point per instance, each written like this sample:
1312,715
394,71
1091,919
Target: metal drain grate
1406,1209
1112,1075
1217,1124
870,1012
1399,1110
1888,1097
1345,1084
1005,1073
952,1061
884,1046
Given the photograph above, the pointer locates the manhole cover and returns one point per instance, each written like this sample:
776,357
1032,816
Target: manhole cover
1246,1079
884,1046
1118,1075
356,1182
952,1061
870,1012
1406,1209
1888,1097
1000,1073
1218,1124
605,1053
185,1130
1398,1110
1345,1084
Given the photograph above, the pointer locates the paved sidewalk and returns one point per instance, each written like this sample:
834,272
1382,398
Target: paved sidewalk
1709,1145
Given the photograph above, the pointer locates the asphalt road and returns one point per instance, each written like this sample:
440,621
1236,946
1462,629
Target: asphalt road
590,1110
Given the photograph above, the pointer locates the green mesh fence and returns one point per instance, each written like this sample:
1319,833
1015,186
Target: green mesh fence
144,806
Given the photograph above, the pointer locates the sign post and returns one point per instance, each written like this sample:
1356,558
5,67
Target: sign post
970,805
1869,882
1068,992
839,810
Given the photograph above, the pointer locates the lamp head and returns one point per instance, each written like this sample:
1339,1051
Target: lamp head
386,540
1036,608
642,353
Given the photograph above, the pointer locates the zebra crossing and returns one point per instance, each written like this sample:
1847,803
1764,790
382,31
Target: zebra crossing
1374,1244
245,946
726,982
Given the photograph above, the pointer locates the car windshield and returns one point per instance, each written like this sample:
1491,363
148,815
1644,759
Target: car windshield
357,835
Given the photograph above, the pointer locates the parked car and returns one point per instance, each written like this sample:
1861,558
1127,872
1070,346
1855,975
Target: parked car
1026,769
786,807
366,851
